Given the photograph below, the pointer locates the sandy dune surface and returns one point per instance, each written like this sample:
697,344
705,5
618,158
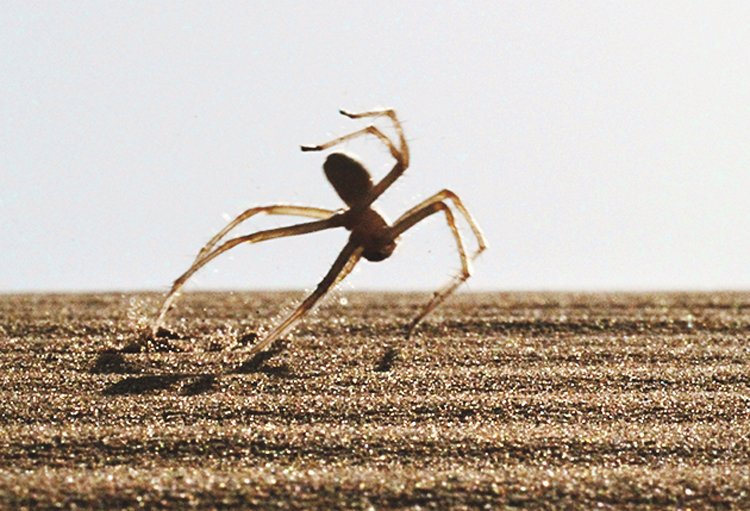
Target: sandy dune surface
523,400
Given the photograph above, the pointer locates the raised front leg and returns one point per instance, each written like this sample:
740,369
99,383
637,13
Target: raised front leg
400,153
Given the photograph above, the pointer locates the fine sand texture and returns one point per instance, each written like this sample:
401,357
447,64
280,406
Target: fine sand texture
500,400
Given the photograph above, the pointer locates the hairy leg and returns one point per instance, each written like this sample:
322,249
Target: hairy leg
409,221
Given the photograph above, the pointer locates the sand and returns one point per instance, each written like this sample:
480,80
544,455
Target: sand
623,401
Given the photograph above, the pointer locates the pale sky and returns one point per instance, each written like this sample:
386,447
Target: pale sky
601,145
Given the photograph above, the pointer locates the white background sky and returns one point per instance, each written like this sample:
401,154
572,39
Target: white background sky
601,145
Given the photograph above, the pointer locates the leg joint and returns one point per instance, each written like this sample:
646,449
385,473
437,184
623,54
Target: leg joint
448,194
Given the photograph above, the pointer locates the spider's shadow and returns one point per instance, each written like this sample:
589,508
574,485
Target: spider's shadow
144,384
110,362
258,362
389,358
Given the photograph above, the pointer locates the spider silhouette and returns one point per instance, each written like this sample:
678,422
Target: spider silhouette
371,236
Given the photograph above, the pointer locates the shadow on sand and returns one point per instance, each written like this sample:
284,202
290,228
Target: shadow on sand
143,384
113,362
259,363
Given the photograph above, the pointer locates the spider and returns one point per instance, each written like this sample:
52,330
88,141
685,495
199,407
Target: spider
371,236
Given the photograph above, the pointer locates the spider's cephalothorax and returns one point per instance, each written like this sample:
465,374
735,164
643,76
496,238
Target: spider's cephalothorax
353,183
371,236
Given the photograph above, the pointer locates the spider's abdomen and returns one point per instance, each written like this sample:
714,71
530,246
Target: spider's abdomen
349,178
380,253
372,232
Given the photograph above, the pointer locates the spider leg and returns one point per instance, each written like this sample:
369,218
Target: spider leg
276,209
448,194
256,237
342,266
347,269
410,220
372,130
391,114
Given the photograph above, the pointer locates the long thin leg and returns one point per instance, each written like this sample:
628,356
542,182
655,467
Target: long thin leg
343,265
347,269
371,130
259,236
391,114
400,154
275,209
409,221
448,194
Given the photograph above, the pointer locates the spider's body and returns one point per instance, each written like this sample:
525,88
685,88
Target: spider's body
371,236
372,232
353,182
